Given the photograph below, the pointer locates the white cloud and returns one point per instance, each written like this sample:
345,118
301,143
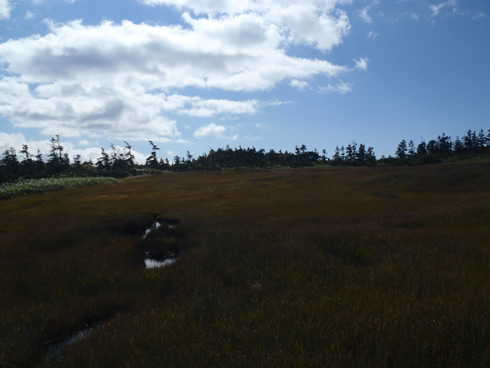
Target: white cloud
372,35
29,15
70,108
15,140
341,87
115,78
207,108
319,23
210,54
414,16
364,15
436,8
214,131
206,6
122,80
299,84
5,9
361,64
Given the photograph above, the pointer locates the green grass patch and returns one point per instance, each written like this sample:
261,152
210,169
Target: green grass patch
23,187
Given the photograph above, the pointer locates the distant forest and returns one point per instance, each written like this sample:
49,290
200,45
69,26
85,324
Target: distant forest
113,162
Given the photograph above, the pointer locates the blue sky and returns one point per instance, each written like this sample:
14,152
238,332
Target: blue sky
194,75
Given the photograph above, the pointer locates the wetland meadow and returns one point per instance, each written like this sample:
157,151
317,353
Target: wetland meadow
317,267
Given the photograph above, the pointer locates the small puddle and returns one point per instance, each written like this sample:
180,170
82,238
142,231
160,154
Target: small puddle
165,223
151,263
155,226
160,260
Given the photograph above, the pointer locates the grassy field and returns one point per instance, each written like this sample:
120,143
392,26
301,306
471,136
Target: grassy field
347,267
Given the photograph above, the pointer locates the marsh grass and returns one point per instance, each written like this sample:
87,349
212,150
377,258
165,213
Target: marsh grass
297,268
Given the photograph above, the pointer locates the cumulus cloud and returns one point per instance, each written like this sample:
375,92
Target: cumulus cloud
214,131
70,108
5,9
115,78
15,140
361,64
122,79
319,23
161,56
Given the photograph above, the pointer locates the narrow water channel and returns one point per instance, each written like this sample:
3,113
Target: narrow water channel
55,349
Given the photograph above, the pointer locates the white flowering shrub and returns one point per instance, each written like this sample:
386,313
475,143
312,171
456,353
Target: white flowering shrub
22,187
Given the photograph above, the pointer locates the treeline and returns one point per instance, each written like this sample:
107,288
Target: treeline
121,163
25,165
436,150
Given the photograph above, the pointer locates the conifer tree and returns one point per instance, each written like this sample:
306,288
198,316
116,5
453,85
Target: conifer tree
401,151
152,160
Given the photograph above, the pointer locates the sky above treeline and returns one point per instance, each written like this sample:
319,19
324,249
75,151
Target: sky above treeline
191,75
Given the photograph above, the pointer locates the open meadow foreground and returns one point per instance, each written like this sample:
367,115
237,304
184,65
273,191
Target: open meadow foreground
331,267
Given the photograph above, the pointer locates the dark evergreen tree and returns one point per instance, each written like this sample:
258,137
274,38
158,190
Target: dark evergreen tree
361,153
57,161
371,156
481,140
401,151
129,157
152,160
458,146
432,147
411,148
39,164
444,144
77,163
104,161
470,141
27,166
324,156
10,161
422,148
349,153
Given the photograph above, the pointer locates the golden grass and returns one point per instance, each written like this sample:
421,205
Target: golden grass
371,267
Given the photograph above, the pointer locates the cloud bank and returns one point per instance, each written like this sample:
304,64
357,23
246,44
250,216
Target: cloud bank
125,79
